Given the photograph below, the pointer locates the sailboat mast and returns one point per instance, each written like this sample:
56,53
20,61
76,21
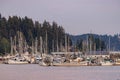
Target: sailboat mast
61,45
20,40
53,45
109,43
25,44
40,44
100,46
15,45
32,48
11,46
65,42
94,48
57,43
68,45
90,45
36,42
87,45
46,43
83,45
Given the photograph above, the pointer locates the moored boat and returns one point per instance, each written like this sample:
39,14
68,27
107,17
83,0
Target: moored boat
107,63
17,60
11,61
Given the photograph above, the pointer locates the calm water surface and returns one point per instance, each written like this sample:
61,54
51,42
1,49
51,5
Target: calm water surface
36,72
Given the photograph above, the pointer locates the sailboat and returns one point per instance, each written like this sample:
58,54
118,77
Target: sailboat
46,60
107,62
18,58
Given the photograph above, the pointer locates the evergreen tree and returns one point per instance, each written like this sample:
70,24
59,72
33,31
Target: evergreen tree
30,30
4,46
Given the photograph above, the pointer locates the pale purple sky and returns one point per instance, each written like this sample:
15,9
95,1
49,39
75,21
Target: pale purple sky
76,16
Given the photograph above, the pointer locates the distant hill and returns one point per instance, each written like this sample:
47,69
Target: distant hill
114,40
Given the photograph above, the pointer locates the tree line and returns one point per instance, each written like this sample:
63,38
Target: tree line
91,43
30,30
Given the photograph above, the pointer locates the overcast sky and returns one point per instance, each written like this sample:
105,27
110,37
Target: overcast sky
76,16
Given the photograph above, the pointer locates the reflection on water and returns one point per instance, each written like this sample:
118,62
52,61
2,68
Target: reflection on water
36,72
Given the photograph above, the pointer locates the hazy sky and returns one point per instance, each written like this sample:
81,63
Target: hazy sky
76,16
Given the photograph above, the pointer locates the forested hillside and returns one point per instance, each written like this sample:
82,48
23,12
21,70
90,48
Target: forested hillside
102,42
30,30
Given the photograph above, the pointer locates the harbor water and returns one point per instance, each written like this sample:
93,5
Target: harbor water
36,72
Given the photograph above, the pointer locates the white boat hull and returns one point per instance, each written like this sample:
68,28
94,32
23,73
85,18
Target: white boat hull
17,62
106,64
